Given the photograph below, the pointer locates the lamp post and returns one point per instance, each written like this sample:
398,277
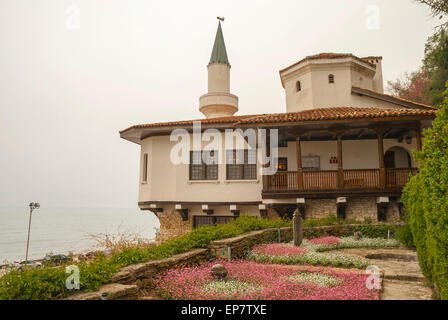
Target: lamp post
32,205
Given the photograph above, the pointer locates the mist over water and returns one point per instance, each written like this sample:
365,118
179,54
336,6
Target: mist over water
61,230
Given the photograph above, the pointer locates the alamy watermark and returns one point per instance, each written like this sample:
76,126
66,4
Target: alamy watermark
216,147
373,281
73,17
373,17
73,280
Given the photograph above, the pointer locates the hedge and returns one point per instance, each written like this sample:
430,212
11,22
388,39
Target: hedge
369,231
426,201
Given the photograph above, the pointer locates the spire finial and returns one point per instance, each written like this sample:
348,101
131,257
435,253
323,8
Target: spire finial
219,53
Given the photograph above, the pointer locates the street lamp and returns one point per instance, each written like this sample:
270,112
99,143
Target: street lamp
32,205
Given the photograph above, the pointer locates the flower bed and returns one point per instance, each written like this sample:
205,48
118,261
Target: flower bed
278,249
289,254
327,244
326,240
249,280
312,258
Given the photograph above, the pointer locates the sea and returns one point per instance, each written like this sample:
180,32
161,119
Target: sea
64,230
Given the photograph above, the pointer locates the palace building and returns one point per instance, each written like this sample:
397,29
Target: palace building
344,148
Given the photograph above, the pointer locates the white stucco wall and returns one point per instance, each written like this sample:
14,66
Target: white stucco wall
357,154
169,182
317,92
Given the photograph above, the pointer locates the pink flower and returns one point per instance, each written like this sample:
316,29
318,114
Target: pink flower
278,249
326,240
265,281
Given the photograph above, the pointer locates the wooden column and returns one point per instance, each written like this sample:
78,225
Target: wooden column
380,134
418,135
340,164
299,164
267,179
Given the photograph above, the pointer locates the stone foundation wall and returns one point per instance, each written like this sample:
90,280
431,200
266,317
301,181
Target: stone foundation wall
319,208
362,208
172,225
393,212
357,208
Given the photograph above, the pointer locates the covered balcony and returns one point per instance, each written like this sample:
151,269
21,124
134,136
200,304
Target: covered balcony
372,159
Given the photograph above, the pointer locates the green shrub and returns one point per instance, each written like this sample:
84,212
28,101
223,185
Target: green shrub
369,231
426,201
404,235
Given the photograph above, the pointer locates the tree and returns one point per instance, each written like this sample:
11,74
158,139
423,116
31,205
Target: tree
436,64
414,87
428,83
439,8
426,201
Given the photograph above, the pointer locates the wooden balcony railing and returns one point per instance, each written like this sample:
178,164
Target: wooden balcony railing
320,180
358,179
282,181
328,180
398,177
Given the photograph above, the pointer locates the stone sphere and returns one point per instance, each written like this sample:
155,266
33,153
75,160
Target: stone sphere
219,272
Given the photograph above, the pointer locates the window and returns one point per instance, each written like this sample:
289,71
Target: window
241,164
310,163
281,164
298,86
203,165
331,78
145,168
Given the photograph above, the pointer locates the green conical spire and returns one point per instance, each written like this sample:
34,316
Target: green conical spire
219,53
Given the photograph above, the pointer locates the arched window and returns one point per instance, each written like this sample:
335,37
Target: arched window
331,78
298,86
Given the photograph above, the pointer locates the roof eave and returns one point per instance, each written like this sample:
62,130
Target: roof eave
390,99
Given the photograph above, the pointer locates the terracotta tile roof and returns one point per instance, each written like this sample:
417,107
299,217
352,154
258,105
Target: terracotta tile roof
221,120
330,55
372,58
341,113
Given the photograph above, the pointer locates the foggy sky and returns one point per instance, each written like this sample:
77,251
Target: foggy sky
65,91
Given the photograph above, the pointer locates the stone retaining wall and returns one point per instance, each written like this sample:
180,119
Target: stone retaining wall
142,274
240,245
114,291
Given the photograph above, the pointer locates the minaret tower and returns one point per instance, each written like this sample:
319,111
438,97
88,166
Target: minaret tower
218,102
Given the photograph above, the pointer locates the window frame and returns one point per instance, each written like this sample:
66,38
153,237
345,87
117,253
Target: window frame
246,171
298,86
205,168
145,168
281,161
331,78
